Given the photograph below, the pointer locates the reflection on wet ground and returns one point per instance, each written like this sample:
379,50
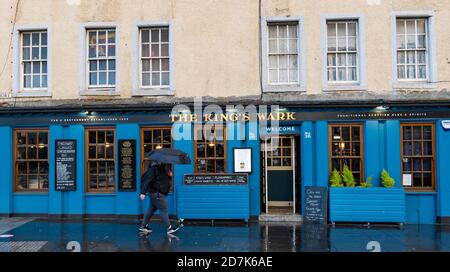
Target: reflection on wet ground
109,235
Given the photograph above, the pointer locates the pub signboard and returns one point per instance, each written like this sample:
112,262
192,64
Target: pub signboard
216,179
127,165
65,165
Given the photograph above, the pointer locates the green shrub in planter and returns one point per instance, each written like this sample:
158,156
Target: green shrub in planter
347,176
336,180
387,180
368,183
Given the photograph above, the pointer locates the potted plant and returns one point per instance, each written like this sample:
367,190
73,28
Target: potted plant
350,202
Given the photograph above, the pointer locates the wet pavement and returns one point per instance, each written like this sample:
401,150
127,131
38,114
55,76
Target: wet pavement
28,234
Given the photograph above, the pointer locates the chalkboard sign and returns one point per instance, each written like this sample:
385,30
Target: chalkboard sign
65,165
316,204
216,179
127,165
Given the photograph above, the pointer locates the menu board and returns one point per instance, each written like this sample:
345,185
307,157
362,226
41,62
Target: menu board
216,179
127,165
316,204
65,165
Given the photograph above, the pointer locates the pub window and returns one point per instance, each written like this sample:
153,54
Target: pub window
210,152
101,159
346,147
418,155
152,139
31,159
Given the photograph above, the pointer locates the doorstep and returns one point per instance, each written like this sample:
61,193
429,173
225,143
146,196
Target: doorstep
296,218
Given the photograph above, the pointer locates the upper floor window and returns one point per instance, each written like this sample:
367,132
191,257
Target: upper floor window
101,58
154,57
342,51
412,49
283,53
34,59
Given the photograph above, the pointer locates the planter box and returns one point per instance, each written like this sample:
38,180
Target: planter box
377,204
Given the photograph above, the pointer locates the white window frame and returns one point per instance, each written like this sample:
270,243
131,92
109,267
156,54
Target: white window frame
85,89
97,59
301,68
360,84
431,81
337,52
160,86
138,89
17,72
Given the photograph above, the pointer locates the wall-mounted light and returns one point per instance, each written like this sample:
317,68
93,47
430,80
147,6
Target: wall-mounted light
382,108
158,147
341,145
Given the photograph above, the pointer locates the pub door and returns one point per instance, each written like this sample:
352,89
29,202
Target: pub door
279,174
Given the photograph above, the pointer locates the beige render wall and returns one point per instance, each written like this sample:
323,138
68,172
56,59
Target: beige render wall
6,16
216,42
377,14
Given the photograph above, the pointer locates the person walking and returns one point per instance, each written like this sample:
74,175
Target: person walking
156,183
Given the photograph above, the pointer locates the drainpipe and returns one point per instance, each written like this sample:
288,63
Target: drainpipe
260,51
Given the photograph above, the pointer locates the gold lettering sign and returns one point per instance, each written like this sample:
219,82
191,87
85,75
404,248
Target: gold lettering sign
233,117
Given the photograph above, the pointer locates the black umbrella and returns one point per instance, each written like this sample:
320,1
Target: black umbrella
169,155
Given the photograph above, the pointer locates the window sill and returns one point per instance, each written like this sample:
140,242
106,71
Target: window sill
31,193
100,92
99,194
418,192
414,85
283,88
344,87
44,93
153,92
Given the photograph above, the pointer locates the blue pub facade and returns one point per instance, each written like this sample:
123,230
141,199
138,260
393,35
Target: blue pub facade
412,143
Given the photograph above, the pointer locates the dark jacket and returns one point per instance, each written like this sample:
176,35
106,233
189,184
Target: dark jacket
155,180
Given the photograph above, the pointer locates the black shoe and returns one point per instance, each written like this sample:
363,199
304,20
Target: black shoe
172,229
145,229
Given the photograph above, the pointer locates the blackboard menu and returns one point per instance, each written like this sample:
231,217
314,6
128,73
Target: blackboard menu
316,204
65,165
216,179
127,165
